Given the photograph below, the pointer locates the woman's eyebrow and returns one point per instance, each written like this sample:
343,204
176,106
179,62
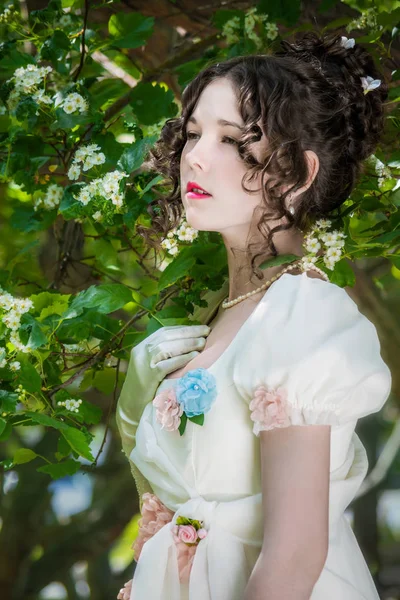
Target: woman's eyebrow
222,122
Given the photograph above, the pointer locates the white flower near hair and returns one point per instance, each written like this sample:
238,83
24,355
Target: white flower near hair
184,233
332,244
369,83
347,43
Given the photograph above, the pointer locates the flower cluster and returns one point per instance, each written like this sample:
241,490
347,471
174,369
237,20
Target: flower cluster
183,232
51,199
231,29
9,14
89,156
70,404
26,81
269,409
21,393
251,20
14,309
107,187
333,242
193,396
74,102
367,20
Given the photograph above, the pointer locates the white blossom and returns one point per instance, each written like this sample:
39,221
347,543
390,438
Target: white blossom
15,365
74,171
74,102
70,404
97,216
41,97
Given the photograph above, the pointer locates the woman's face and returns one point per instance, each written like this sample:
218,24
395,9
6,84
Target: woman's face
210,158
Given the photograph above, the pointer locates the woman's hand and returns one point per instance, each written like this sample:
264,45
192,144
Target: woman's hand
164,351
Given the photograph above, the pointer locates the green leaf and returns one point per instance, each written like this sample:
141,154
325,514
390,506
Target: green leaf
77,440
28,377
105,92
130,30
69,121
177,269
105,298
40,301
58,308
37,335
279,260
42,419
61,469
8,401
104,380
3,424
198,419
152,102
23,455
133,157
55,47
183,423
89,413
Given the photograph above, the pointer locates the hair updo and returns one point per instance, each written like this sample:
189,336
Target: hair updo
307,96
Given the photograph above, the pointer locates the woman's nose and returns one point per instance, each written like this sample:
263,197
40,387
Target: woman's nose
199,157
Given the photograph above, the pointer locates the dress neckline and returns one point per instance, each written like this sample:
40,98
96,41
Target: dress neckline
251,316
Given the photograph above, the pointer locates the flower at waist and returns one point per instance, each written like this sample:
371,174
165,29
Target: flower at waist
187,534
193,396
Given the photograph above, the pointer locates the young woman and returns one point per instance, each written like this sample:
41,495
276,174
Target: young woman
240,431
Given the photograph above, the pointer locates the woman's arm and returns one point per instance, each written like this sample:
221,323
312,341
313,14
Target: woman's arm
295,465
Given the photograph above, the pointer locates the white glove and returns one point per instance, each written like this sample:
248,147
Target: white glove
164,351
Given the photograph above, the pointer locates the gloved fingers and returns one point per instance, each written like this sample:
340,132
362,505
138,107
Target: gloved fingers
177,332
164,367
173,348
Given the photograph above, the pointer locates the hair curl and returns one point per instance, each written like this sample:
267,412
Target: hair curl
307,96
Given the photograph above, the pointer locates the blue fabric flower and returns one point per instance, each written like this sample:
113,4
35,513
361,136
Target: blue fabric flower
196,391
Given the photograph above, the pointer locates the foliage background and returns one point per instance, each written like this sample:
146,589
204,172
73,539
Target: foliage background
68,502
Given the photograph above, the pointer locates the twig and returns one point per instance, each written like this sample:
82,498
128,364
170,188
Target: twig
85,18
110,412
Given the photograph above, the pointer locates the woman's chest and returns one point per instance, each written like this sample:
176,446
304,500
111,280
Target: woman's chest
224,328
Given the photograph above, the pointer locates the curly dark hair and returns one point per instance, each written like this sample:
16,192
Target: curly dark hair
307,96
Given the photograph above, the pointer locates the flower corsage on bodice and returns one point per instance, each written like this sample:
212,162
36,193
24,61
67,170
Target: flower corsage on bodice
191,399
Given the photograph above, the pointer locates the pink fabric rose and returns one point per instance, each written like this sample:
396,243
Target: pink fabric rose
168,409
186,533
202,533
269,409
125,592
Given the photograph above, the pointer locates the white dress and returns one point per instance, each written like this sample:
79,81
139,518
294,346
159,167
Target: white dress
307,335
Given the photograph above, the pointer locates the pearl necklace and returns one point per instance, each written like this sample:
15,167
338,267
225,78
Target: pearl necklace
229,303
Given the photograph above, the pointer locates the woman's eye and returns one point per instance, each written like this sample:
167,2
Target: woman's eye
231,141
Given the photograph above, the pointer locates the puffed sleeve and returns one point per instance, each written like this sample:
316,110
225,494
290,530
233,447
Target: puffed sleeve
313,358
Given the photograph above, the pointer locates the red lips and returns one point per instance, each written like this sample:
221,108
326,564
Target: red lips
193,184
